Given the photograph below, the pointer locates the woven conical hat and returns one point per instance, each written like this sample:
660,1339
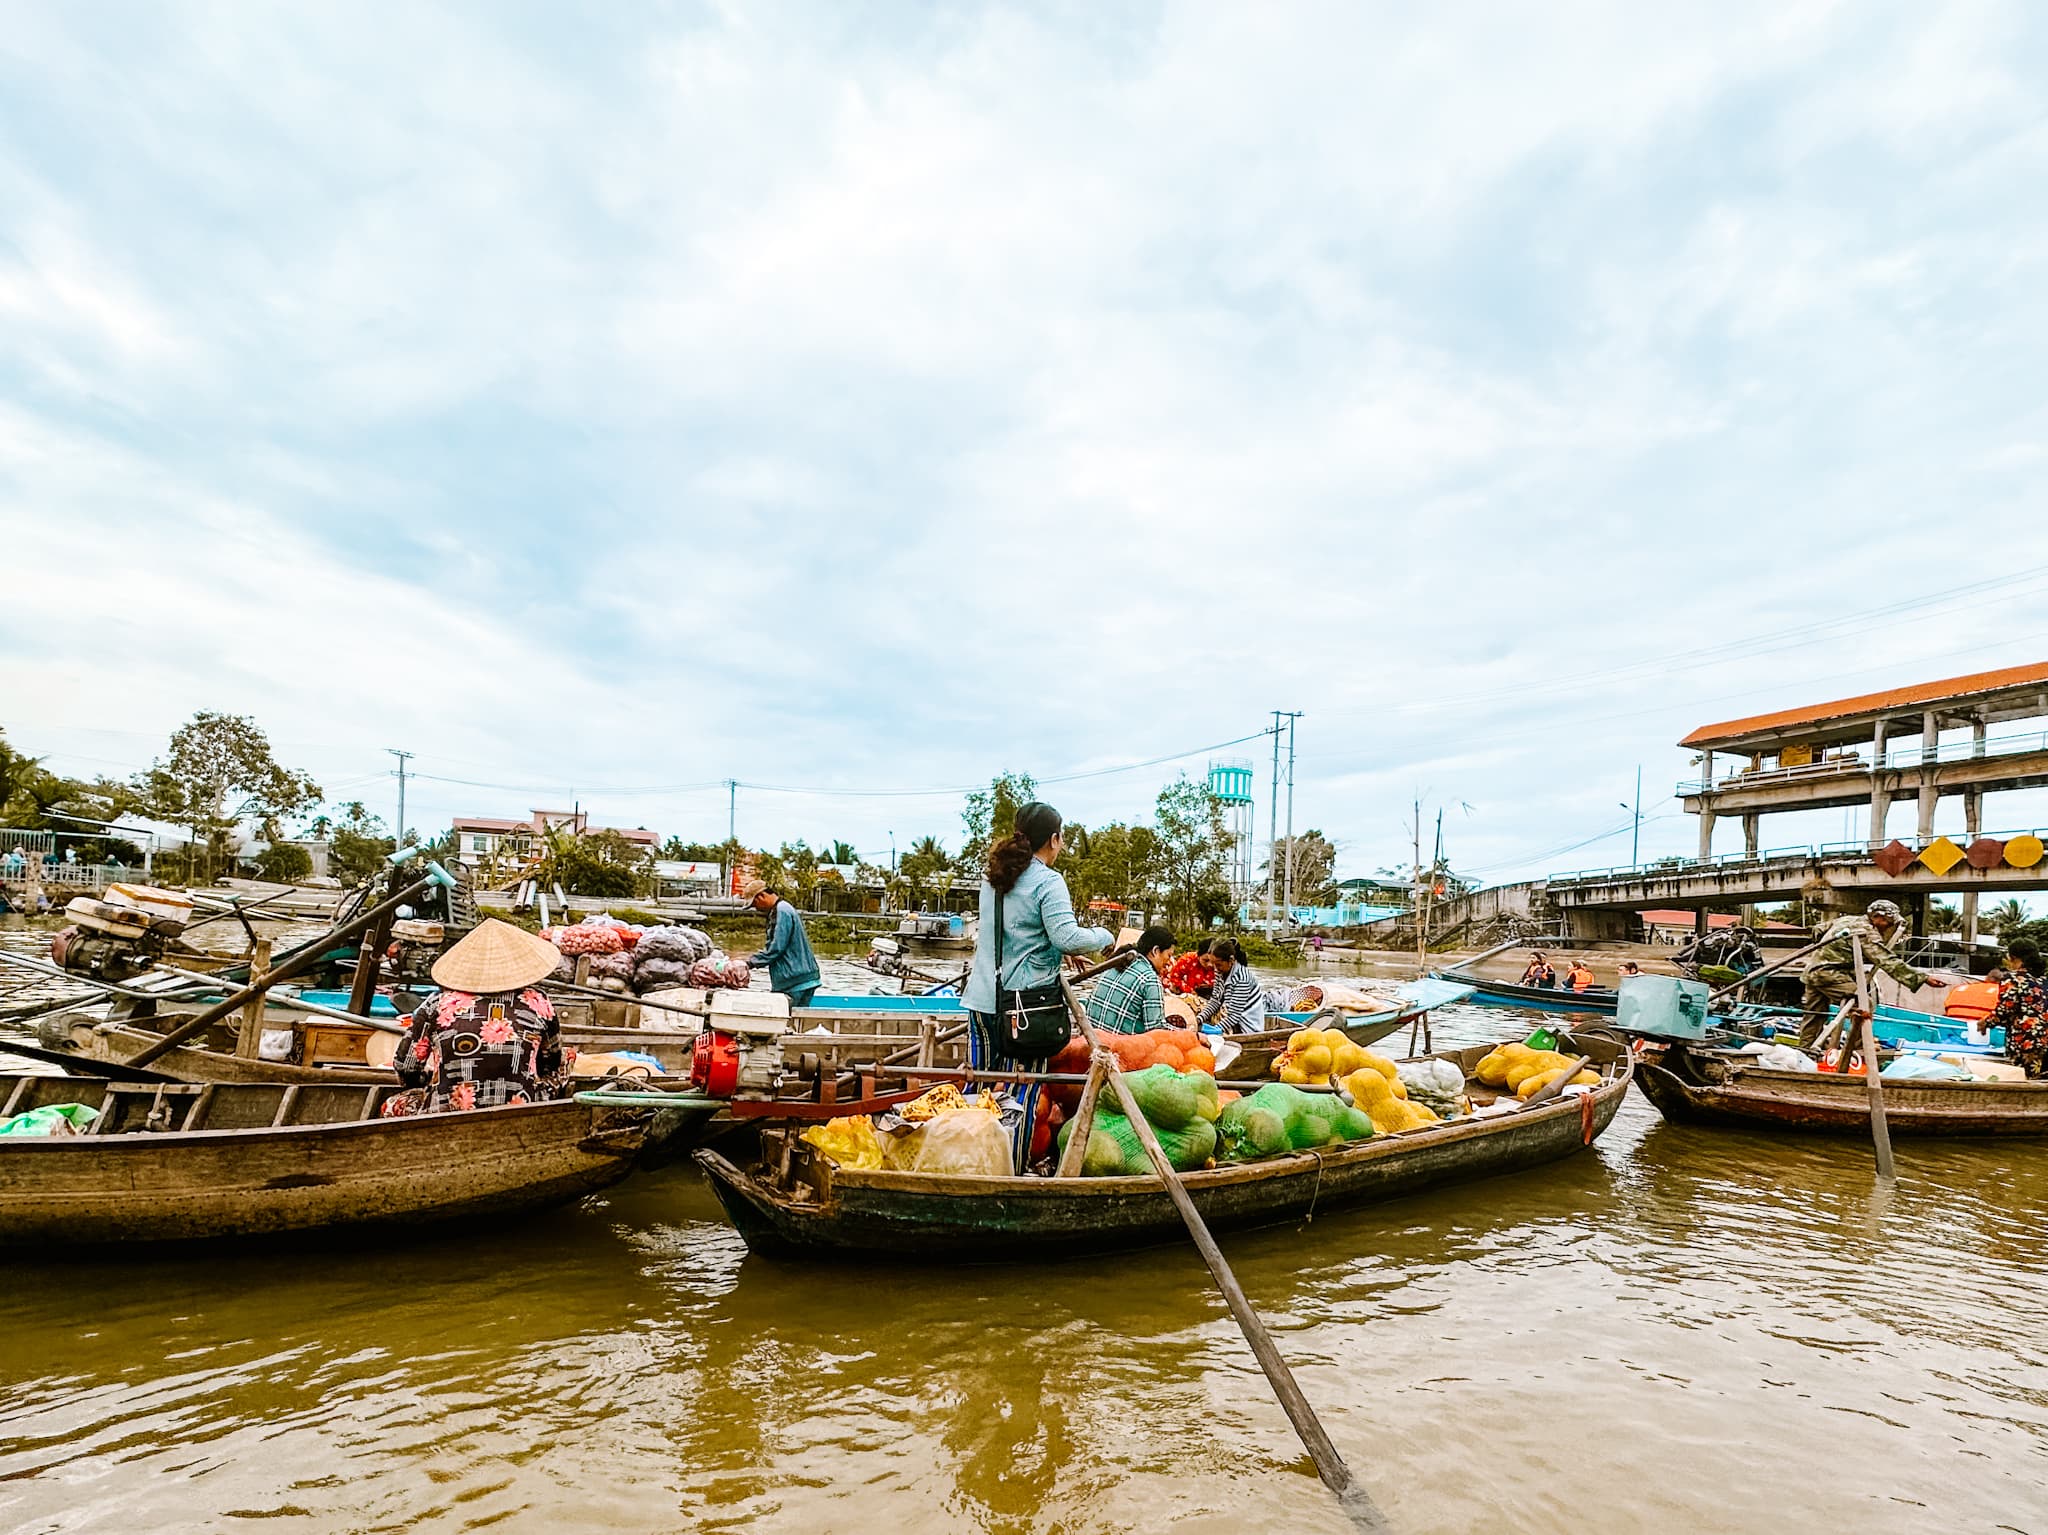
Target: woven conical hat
496,956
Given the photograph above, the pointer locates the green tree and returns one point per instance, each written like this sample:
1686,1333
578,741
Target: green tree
284,862
801,865
839,852
991,815
218,772
925,869
602,864
1943,917
1193,842
2006,915
357,844
1114,863
34,797
1315,868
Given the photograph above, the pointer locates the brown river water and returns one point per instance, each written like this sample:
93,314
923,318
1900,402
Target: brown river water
1676,1330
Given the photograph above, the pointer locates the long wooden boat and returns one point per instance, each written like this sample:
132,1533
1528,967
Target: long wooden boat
1707,1087
1544,998
184,1162
833,1037
795,1202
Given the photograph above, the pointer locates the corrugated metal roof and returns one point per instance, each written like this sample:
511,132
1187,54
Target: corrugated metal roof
1873,705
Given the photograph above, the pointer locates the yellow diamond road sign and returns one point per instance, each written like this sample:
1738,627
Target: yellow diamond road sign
1941,855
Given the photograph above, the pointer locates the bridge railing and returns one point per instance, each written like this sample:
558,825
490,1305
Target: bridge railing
1824,852
1896,759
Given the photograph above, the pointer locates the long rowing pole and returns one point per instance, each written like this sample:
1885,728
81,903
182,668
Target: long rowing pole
1880,1132
1352,1496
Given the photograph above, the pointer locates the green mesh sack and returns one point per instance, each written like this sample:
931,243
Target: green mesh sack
1167,1099
1114,1149
1279,1117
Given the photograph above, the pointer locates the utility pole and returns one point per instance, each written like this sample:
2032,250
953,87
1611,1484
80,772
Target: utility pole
398,836
732,814
1273,828
1635,845
1287,905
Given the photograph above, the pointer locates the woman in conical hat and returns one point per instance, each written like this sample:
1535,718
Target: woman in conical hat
490,1037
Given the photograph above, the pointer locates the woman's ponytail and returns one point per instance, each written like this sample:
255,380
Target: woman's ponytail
1037,824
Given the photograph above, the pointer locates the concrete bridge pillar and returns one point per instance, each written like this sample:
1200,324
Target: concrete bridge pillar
1930,750
1706,833
1880,797
1749,833
1973,827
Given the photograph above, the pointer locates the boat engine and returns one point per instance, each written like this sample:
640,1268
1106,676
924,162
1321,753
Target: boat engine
120,934
739,1054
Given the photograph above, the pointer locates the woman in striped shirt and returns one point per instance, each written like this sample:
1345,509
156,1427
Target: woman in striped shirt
1238,996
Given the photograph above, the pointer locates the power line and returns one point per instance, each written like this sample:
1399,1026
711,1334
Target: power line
827,792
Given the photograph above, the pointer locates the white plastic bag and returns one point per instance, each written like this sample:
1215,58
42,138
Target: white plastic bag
969,1141
1776,1057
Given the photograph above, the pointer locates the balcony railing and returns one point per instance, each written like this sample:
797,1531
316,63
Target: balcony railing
1895,760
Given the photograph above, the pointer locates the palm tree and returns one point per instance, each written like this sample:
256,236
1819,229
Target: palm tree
2005,916
840,852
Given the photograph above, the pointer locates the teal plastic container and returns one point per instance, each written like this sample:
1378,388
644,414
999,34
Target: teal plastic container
1662,1007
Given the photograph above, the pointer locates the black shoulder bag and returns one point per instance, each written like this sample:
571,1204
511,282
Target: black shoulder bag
1032,1022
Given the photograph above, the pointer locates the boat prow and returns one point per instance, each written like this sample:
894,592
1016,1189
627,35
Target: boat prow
1690,1086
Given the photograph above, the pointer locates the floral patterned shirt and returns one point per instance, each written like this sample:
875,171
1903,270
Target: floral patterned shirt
481,1052
2022,1012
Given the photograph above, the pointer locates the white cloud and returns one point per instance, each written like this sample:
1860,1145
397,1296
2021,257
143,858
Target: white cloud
888,401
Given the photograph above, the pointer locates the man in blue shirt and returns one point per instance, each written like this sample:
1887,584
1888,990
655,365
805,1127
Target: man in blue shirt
792,967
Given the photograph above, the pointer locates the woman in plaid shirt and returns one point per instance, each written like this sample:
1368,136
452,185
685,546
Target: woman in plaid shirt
1130,1001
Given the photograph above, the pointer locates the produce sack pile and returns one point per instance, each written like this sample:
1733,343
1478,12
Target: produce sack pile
1316,1056
1181,1107
716,969
1182,1049
586,937
1279,1118
1526,1072
1437,1086
940,1132
1383,1097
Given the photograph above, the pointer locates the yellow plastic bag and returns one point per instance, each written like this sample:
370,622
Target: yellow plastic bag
849,1142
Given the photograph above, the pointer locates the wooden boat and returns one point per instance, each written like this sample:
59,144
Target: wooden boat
332,1051
1709,1087
180,1162
1543,998
796,1202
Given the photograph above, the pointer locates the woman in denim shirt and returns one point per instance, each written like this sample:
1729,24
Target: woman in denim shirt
1038,932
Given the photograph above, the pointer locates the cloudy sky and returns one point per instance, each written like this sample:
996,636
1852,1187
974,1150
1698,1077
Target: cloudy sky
861,401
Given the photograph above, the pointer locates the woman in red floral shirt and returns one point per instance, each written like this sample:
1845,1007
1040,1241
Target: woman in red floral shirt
489,1039
2022,1009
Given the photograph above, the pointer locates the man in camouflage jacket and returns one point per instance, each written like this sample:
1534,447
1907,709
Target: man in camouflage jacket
1831,973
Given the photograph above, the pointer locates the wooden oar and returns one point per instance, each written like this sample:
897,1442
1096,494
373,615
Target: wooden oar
1880,1132
1352,1496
